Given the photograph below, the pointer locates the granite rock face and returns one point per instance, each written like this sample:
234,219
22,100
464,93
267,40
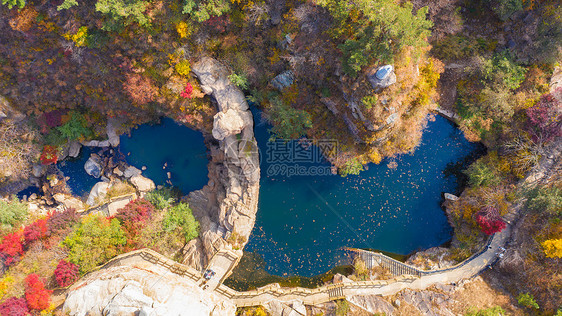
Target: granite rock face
142,288
227,205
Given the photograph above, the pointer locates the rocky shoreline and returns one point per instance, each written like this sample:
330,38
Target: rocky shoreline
226,207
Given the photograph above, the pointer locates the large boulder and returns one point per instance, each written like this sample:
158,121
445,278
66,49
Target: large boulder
69,201
98,193
230,123
74,149
382,77
283,80
131,172
93,166
142,184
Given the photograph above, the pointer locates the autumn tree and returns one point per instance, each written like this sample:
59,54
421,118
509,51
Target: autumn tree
553,248
37,297
66,273
95,240
376,30
14,307
203,10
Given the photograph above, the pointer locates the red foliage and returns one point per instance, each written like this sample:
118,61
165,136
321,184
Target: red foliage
218,23
138,210
544,120
140,89
36,295
11,247
61,221
14,307
186,93
49,155
35,231
488,225
50,119
66,273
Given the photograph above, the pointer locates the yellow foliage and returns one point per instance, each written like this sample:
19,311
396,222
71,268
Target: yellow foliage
374,156
5,283
553,248
80,38
183,29
183,68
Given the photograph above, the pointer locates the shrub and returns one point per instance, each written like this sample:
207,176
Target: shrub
547,200
502,70
342,307
12,3
135,214
66,273
94,241
80,39
544,120
489,225
183,29
62,221
49,155
181,216
161,198
186,93
505,8
481,174
203,10
14,307
552,248
124,11
36,295
12,213
239,80
491,311
35,231
183,68
527,300
352,166
11,247
288,123
76,127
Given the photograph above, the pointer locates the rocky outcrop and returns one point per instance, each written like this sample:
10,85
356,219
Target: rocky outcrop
382,77
142,184
98,193
373,304
283,80
93,166
142,289
227,205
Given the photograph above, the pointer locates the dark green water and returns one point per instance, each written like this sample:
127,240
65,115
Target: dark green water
304,220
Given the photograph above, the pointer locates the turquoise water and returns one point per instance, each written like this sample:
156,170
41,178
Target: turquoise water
161,148
168,147
304,220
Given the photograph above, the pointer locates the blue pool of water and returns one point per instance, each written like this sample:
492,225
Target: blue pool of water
303,221
80,183
161,148
168,147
